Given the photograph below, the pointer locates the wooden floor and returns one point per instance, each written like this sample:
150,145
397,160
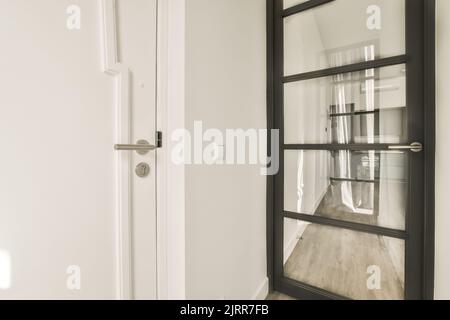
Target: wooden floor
279,296
332,207
337,260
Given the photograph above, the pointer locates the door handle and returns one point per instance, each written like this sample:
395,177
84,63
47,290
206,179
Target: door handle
413,147
142,147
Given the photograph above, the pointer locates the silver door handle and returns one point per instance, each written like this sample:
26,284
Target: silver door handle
413,147
141,147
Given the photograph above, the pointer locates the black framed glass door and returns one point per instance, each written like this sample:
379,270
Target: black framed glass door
352,98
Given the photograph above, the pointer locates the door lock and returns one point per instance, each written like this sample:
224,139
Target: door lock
142,170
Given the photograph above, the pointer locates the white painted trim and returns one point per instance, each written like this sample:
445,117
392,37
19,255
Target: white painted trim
113,67
263,291
290,246
292,243
171,177
161,159
320,198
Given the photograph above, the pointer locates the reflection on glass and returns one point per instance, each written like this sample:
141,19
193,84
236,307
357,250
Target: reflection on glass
352,264
343,32
291,3
359,107
362,187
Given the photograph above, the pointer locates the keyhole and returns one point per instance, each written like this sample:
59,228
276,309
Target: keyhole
142,170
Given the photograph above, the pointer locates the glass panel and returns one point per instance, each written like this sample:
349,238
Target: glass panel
291,3
359,107
363,187
352,264
343,32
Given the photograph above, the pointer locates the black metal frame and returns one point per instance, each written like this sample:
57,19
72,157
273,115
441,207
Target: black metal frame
419,234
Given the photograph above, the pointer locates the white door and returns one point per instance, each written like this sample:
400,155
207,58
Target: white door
77,77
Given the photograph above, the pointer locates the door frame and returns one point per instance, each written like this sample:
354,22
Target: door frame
420,48
170,186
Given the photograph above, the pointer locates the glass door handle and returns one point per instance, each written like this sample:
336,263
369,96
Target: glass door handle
142,147
413,147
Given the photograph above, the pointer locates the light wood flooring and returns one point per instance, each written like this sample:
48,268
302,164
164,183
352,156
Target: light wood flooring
279,296
337,260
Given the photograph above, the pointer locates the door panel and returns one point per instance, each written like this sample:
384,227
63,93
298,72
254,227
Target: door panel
291,3
360,107
343,32
60,205
136,26
369,187
342,261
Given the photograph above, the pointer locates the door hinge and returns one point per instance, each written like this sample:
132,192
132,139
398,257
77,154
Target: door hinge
159,138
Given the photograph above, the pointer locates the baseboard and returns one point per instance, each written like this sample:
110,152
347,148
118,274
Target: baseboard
294,241
291,245
263,290
320,198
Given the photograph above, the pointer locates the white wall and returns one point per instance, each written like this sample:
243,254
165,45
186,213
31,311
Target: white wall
225,205
442,283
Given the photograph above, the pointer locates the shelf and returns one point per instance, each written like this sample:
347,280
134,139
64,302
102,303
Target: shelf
354,180
359,113
367,181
